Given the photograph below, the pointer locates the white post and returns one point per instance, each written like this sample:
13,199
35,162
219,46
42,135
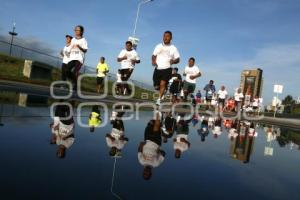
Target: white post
137,15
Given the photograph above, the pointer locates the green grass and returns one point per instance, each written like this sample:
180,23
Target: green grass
11,68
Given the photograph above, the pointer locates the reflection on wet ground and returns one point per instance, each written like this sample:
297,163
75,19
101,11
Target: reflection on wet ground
162,155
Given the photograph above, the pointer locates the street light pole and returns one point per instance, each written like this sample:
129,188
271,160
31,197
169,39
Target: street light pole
12,33
137,14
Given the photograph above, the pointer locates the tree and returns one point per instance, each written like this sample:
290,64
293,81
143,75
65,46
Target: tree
288,100
289,104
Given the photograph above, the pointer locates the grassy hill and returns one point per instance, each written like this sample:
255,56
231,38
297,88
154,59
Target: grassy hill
11,68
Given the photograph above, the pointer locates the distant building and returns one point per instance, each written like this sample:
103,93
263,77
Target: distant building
298,100
252,82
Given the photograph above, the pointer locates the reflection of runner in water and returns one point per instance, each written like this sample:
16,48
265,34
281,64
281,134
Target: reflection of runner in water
78,48
62,130
181,142
164,56
128,58
94,118
203,130
168,126
149,153
116,140
217,130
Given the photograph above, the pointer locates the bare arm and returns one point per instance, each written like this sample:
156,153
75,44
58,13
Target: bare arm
154,61
175,61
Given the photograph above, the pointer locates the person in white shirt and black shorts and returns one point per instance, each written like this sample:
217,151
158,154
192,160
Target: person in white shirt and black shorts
164,55
191,72
65,53
128,58
78,48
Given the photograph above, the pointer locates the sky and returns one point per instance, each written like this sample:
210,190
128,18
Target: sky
225,36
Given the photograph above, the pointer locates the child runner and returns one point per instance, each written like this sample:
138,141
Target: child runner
128,58
102,70
78,48
164,55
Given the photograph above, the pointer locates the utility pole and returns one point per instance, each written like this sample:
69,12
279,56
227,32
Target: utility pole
13,34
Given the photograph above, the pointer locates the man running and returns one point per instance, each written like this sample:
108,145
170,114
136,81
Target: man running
164,56
191,72
210,89
65,53
78,49
222,96
128,57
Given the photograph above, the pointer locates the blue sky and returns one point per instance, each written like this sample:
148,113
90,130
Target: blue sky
225,36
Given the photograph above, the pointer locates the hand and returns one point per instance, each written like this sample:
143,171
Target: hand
124,58
154,63
192,77
133,62
171,61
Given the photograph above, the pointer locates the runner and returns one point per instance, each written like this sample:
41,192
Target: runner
164,55
222,96
175,84
191,72
78,49
102,70
65,53
238,97
210,89
128,58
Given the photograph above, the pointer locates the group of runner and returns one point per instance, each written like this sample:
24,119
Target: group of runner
165,77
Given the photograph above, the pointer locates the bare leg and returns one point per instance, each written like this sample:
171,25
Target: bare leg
162,88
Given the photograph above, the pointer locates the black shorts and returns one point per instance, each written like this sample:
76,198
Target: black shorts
175,88
161,75
100,80
222,101
152,135
208,99
125,74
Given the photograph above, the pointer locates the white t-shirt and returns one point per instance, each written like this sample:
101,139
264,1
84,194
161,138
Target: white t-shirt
191,71
149,156
255,102
76,53
116,133
63,132
66,54
131,55
182,146
238,96
232,133
222,94
119,144
165,53
54,129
